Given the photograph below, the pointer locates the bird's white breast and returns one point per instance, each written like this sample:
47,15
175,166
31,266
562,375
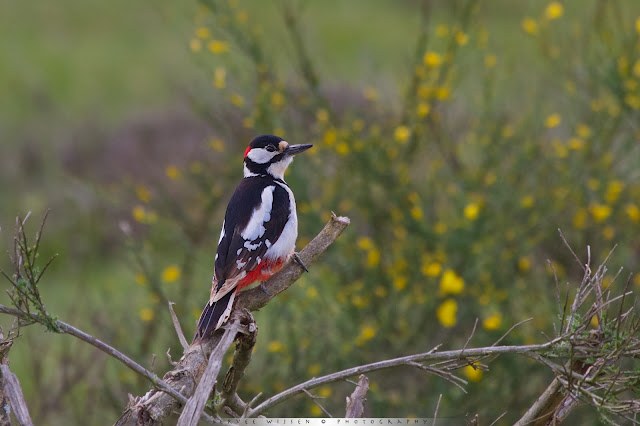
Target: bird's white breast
286,243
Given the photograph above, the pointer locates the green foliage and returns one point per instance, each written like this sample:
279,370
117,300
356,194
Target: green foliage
455,183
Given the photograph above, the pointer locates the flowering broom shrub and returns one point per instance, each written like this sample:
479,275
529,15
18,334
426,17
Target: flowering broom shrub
456,182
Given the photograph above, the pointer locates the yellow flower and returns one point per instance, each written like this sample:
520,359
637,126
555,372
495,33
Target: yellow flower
203,32
373,257
431,269
277,99
330,137
172,172
524,264
552,121
314,369
492,322
638,26
423,109
218,46
357,125
471,211
490,178
473,374
609,232
580,219
416,213
312,293
217,145
442,31
146,314
527,201
613,191
593,184
143,193
171,273
242,16
461,38
275,346
370,94
400,283
315,410
451,283
443,93
236,99
446,313
600,212
636,68
380,291
530,26
141,279
583,131
432,59
219,77
401,134
365,243
576,144
195,45
367,333
440,228
342,149
554,10
324,392
322,115
633,212
490,61
139,214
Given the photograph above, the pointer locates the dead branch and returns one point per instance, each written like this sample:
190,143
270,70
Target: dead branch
256,298
241,359
152,408
195,406
355,402
462,356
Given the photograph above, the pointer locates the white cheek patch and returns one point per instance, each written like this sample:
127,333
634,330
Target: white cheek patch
261,155
277,169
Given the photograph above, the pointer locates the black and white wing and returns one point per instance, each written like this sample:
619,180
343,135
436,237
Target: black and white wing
255,220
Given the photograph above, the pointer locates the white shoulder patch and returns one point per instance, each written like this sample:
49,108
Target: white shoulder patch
261,214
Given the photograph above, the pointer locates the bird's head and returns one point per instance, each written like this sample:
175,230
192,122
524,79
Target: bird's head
270,155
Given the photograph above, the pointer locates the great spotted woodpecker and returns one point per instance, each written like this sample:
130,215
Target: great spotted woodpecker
259,231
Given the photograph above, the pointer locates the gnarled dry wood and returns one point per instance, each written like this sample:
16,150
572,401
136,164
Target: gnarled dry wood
155,406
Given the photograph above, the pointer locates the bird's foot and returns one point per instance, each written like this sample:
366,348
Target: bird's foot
264,289
299,261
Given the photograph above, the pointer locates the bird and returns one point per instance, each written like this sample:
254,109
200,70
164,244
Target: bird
259,231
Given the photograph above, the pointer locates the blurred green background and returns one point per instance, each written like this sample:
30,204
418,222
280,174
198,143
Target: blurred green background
458,136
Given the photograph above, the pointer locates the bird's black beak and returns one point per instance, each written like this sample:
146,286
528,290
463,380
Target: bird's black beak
295,149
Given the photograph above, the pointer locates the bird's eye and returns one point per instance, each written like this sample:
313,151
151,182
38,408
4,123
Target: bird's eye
270,148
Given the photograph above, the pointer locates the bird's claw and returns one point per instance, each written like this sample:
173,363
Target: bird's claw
264,289
299,261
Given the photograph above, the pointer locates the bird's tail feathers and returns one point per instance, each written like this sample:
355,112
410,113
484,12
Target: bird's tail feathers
214,315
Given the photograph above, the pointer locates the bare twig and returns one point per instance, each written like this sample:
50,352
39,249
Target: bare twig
472,353
176,325
241,358
435,413
315,398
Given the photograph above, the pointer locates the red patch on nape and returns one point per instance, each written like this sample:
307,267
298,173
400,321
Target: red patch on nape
246,151
261,272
